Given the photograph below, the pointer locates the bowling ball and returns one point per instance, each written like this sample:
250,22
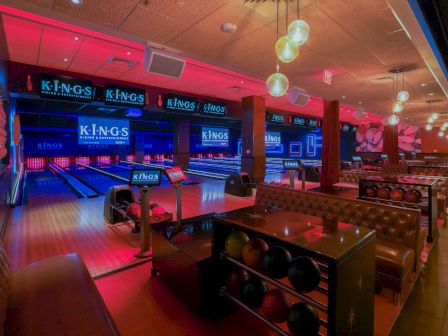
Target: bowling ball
133,210
304,274
412,196
234,280
253,291
253,253
397,194
158,210
370,192
383,192
303,320
276,262
275,306
234,244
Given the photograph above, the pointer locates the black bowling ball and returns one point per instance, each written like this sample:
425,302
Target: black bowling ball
276,262
303,320
253,291
304,274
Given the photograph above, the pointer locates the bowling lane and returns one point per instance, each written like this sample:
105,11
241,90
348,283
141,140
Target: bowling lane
97,181
46,187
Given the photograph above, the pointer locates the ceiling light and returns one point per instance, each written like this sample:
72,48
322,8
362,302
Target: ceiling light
228,27
298,32
76,2
430,94
343,97
393,120
435,116
128,53
277,84
76,38
180,3
430,120
286,50
428,127
397,107
65,59
423,84
403,96
440,134
360,102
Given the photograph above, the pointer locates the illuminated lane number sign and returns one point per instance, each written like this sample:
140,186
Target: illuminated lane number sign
291,164
145,178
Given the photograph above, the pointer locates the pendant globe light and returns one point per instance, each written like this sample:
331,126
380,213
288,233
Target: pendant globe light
393,120
397,107
403,95
285,49
428,127
277,84
441,134
298,30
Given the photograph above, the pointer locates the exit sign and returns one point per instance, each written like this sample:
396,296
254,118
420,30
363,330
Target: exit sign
328,77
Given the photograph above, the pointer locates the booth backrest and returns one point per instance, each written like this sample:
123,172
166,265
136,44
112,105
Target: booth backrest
394,224
392,168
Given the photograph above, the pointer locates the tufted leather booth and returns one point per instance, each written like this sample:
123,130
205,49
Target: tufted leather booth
55,296
397,229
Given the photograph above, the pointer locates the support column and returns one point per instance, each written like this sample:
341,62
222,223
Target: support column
181,144
390,143
330,145
139,147
253,156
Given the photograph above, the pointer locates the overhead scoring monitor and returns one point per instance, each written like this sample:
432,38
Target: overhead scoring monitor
356,159
145,177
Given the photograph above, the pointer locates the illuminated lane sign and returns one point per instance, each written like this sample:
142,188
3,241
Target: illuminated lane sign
275,118
291,164
66,88
214,108
101,131
116,95
181,103
215,137
313,123
175,174
273,139
145,178
298,121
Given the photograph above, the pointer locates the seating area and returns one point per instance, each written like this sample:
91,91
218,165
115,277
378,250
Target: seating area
400,237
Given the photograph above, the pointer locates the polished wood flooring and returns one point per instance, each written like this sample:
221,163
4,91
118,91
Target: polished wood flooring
56,227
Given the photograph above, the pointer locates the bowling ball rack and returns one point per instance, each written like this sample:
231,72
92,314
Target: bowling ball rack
427,204
334,297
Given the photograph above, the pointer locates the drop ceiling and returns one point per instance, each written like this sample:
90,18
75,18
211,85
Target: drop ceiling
357,40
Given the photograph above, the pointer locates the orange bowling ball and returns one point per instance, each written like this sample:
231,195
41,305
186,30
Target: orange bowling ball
412,196
383,192
370,191
253,253
397,194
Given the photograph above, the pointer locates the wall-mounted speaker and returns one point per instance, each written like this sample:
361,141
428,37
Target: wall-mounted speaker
163,63
297,96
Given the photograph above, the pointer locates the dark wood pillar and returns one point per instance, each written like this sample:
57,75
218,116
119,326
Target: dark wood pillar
181,144
390,143
253,156
330,145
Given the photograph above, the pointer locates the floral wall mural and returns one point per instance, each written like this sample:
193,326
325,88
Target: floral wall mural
369,138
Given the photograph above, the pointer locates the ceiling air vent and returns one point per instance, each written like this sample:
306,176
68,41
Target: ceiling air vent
297,96
163,63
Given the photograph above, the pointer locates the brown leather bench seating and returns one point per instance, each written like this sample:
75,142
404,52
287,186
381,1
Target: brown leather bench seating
55,296
353,177
397,229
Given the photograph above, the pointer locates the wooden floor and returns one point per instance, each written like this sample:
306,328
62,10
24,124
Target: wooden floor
36,232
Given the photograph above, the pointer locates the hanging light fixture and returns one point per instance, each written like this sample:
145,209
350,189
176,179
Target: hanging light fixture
435,116
277,84
428,127
403,95
393,120
430,120
441,134
397,107
298,30
285,49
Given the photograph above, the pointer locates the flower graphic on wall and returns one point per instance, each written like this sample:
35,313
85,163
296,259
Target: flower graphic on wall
369,138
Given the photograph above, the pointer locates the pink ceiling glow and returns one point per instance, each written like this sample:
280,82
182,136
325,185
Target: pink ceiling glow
41,41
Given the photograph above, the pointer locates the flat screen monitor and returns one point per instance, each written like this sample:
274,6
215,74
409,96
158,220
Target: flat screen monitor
273,139
175,174
145,177
103,131
356,159
215,137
